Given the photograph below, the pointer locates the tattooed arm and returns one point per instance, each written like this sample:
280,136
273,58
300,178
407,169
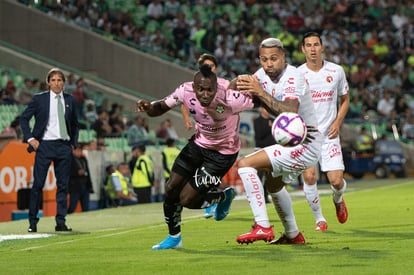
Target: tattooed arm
249,84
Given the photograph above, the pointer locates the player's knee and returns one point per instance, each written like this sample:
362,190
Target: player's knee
309,177
337,183
242,163
170,191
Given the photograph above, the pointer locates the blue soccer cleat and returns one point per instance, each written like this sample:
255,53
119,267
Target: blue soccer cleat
169,243
223,207
210,211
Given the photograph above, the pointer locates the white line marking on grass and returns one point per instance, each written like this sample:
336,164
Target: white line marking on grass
25,236
43,246
106,235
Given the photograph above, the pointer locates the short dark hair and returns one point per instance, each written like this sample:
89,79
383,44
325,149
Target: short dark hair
140,147
170,141
122,164
311,34
206,56
109,168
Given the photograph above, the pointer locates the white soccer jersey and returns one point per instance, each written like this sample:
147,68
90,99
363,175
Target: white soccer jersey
326,86
289,162
291,85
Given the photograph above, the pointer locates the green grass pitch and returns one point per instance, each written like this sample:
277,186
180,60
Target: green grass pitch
377,239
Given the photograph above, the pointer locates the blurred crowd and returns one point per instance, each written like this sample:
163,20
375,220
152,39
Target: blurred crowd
372,40
18,89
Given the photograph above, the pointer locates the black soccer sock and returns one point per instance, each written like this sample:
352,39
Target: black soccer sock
172,215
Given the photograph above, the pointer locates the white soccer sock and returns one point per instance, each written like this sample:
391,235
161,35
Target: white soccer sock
283,206
312,196
255,195
337,194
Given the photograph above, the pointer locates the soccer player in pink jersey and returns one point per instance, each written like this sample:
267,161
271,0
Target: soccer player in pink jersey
209,154
327,83
210,60
281,88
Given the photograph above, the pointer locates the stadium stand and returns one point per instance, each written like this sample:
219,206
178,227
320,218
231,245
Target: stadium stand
352,32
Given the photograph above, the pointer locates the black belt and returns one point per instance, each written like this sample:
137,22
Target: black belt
57,141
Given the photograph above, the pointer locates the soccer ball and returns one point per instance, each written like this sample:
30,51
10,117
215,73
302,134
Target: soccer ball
289,129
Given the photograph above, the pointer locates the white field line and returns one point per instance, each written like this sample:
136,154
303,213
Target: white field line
100,237
25,236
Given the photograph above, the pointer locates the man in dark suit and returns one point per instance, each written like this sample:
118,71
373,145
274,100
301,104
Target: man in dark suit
80,183
52,139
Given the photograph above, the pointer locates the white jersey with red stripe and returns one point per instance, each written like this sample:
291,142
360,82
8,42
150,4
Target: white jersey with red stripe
326,86
291,85
216,126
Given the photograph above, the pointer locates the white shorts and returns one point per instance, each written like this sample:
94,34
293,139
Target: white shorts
331,157
289,162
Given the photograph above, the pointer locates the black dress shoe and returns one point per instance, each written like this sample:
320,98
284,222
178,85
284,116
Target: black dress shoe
32,228
62,227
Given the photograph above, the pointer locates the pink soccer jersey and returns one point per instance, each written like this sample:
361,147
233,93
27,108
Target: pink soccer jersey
223,82
216,126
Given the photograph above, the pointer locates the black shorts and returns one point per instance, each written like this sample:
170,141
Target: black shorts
204,167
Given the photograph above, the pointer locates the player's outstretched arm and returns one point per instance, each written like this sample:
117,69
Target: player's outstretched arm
155,108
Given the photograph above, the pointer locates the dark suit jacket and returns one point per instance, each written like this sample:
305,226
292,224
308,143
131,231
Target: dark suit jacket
76,181
39,108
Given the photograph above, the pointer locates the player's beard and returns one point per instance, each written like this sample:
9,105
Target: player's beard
274,74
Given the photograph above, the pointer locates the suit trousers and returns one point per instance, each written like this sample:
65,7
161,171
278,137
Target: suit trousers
60,153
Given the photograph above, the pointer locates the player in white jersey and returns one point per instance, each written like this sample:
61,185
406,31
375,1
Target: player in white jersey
280,88
327,83
208,155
